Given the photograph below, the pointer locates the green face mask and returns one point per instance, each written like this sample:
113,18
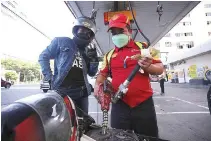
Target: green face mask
120,40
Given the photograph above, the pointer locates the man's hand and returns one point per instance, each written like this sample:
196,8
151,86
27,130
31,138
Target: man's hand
145,62
103,99
97,90
91,51
47,80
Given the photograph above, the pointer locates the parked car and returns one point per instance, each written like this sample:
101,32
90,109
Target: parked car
93,79
5,84
45,86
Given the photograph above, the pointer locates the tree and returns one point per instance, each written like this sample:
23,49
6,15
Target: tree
28,70
11,75
30,75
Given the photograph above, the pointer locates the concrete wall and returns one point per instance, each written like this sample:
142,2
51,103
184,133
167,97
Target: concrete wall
199,61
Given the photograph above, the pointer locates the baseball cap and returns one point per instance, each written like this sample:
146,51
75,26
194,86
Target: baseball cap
119,21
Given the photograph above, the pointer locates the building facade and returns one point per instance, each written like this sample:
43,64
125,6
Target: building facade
191,31
186,49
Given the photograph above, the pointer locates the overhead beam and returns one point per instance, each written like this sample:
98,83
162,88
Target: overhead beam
116,7
119,6
73,7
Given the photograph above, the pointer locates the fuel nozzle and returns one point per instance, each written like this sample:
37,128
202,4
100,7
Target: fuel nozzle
105,104
121,92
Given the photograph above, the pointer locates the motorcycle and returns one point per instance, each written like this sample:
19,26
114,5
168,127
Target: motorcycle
208,77
50,117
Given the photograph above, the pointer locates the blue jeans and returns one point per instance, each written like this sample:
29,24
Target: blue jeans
82,103
78,95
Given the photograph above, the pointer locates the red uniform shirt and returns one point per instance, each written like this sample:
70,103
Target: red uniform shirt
140,88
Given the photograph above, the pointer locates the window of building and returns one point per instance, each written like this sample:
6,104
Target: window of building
190,44
177,34
188,34
208,22
168,35
186,23
168,44
207,6
208,14
179,46
209,33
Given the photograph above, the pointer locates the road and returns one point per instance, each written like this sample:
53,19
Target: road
182,113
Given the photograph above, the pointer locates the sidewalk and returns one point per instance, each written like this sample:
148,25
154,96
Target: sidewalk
184,85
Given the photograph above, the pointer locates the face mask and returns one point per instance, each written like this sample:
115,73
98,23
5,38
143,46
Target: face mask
80,42
84,34
120,40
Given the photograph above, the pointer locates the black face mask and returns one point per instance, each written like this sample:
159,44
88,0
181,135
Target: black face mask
84,33
83,37
82,44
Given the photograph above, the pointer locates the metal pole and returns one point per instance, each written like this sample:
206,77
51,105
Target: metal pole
116,8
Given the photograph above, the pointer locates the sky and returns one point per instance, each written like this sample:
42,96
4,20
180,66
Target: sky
22,41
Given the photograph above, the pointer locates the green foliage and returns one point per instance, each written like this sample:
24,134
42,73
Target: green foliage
11,75
11,64
28,71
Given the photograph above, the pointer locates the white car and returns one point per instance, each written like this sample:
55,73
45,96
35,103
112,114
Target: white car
92,81
45,86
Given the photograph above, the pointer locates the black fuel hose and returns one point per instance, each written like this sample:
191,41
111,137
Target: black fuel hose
120,93
137,67
145,37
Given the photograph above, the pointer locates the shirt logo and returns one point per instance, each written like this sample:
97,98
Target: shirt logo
78,61
135,50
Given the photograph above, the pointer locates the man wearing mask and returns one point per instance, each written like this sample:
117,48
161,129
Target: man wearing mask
73,60
136,110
